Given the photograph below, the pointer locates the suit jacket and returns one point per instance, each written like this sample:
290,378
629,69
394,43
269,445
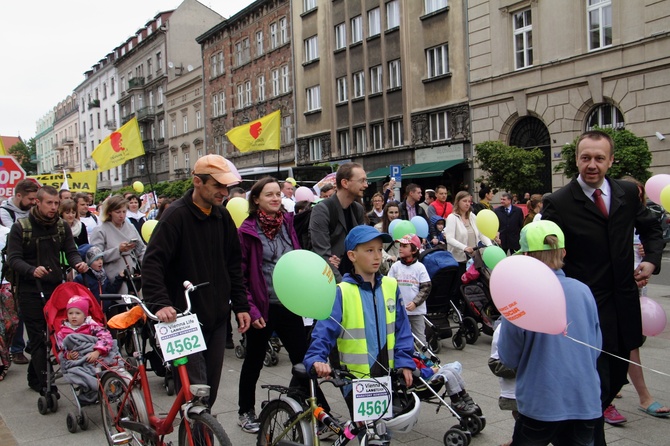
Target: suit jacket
402,207
599,252
510,227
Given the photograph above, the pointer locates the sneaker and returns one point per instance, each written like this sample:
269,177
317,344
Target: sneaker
248,422
463,408
612,416
19,358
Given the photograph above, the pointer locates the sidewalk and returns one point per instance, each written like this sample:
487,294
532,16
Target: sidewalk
21,424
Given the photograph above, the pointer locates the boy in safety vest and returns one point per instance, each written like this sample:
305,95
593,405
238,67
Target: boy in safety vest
368,322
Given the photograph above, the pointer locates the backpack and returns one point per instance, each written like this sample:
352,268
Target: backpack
8,273
11,212
301,224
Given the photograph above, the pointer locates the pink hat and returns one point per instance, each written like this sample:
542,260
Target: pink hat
410,239
79,302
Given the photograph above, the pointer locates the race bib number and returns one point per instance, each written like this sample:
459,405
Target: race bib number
181,337
372,398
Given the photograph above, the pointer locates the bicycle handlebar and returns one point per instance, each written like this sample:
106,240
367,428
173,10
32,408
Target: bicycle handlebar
129,299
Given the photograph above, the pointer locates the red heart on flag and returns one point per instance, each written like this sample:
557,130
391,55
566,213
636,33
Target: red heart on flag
255,129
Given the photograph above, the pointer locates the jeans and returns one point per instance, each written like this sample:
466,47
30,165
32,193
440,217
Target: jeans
18,343
531,432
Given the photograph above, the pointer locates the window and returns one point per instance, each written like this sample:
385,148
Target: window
340,36
285,79
376,79
185,122
359,84
150,67
395,78
152,131
160,95
599,17
132,104
309,5
220,60
151,98
140,101
276,88
247,97
377,132
314,149
159,61
435,5
523,39
104,90
174,128
344,142
313,95
283,31
395,128
217,145
187,161
175,161
259,43
392,14
123,84
311,49
242,55
213,66
240,96
605,116
222,103
438,126
198,119
161,128
273,36
359,137
287,129
342,89
356,29
374,22
261,88
437,61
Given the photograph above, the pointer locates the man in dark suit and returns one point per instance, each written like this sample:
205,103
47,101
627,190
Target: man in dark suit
511,222
599,216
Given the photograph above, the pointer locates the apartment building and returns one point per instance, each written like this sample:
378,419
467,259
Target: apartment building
158,52
44,143
542,72
383,83
248,65
66,135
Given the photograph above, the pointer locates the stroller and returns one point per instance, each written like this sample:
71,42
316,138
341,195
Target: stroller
428,391
477,301
271,356
54,314
443,315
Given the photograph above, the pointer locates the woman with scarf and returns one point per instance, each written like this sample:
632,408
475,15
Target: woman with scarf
68,212
121,244
265,236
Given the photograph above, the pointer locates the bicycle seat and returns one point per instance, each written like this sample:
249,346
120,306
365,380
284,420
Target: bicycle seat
299,371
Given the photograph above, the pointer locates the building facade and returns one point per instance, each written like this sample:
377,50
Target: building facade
66,135
541,73
44,143
248,73
383,83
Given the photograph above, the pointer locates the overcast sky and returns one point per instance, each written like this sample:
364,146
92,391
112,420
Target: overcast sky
47,45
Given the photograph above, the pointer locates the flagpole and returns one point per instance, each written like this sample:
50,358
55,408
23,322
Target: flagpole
278,167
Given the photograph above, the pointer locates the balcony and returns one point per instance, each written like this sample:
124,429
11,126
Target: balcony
149,145
127,118
55,146
59,167
82,137
67,141
94,103
146,114
111,124
136,82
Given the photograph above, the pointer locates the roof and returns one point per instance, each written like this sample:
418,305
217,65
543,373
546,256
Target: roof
9,141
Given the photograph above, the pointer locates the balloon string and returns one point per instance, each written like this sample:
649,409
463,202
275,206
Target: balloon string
618,357
352,337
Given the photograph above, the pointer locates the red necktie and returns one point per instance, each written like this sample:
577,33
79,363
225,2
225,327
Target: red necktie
600,203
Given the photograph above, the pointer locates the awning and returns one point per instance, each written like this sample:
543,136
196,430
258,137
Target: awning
378,174
424,170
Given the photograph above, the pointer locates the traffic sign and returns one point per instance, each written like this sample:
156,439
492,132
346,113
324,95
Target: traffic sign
11,173
395,173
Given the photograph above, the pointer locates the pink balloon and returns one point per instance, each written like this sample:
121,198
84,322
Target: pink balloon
233,169
653,317
533,307
304,194
655,185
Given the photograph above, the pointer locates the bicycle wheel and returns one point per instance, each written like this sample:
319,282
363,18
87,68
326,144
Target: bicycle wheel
274,418
112,390
206,431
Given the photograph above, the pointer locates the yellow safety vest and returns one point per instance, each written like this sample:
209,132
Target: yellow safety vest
351,343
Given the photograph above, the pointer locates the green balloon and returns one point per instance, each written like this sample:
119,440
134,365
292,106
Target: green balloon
305,284
492,255
402,229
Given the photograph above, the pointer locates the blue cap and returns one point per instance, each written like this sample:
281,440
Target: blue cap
363,234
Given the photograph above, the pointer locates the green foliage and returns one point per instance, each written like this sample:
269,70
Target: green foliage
24,153
509,168
631,157
172,189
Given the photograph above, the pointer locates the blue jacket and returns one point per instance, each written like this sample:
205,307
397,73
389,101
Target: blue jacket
326,332
106,287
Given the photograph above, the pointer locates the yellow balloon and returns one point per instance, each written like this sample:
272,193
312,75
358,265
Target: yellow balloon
292,181
138,187
239,209
148,229
665,197
488,223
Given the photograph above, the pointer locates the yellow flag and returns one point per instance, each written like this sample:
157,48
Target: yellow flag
86,181
3,152
261,134
122,145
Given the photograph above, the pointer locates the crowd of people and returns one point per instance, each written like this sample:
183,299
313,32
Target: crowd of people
583,231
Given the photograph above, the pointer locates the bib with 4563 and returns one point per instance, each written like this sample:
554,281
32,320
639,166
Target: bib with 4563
180,338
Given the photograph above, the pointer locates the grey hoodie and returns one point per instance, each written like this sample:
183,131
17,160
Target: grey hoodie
6,216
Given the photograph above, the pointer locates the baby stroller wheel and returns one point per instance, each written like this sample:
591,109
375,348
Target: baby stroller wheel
53,402
169,385
267,361
458,340
71,423
472,423
82,420
239,352
455,437
42,405
433,340
471,330
275,358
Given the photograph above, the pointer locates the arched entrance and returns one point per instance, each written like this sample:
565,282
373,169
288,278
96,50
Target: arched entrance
530,132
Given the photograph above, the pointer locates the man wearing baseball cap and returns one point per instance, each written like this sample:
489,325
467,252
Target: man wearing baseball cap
196,240
553,367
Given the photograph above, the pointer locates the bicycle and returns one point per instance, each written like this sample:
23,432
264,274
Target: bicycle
289,420
128,415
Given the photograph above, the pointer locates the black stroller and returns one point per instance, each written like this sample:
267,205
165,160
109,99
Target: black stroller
477,301
444,318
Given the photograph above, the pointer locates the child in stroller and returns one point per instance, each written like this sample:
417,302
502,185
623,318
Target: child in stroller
477,301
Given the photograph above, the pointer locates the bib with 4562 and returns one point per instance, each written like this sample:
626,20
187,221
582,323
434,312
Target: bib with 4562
180,338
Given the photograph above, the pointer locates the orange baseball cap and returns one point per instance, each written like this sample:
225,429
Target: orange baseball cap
217,167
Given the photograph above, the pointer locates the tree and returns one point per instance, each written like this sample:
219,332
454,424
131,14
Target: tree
631,156
25,155
510,168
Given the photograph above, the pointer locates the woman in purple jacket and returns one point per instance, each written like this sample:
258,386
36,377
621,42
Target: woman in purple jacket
265,236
